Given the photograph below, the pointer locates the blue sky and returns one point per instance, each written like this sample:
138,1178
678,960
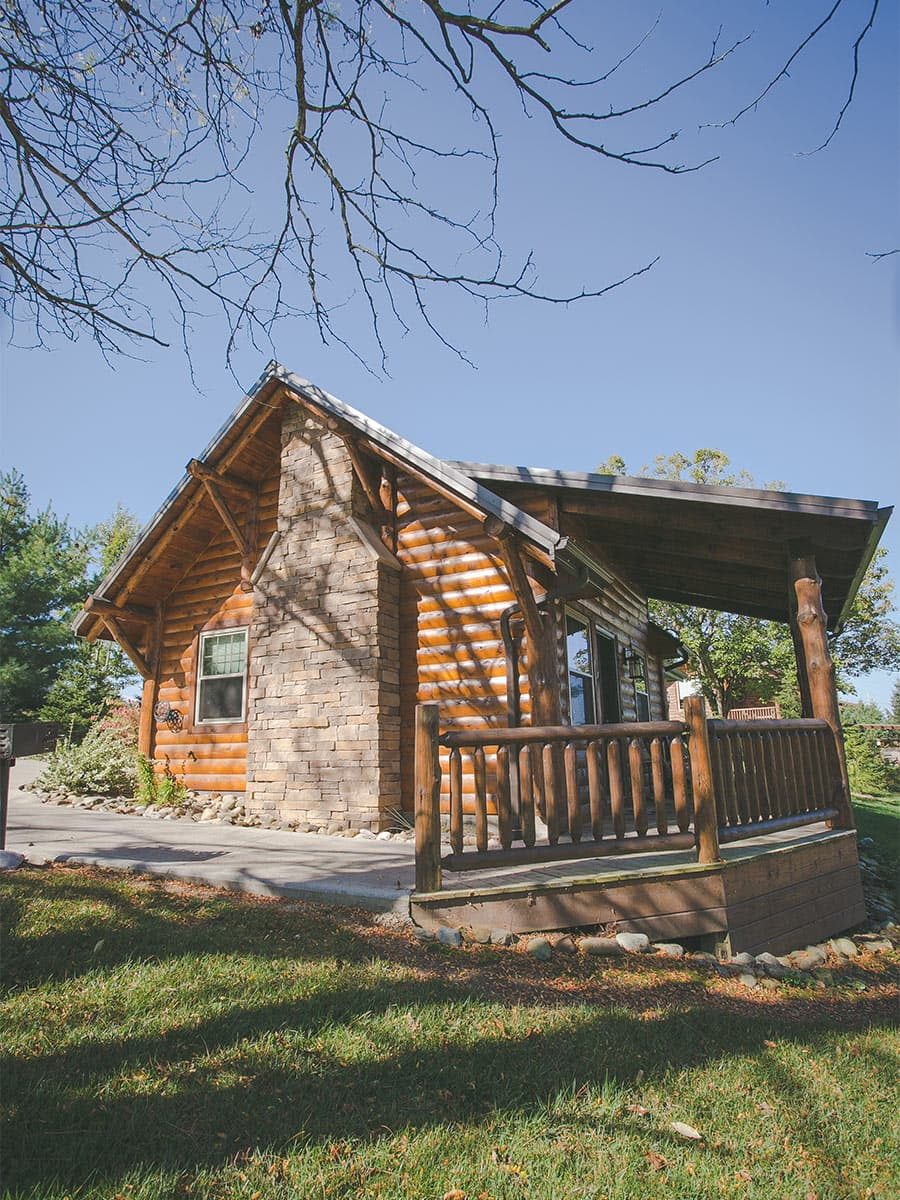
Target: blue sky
764,329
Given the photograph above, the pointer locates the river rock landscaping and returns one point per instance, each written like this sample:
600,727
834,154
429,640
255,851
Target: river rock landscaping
219,808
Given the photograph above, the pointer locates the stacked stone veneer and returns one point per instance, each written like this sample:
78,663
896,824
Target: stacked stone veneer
324,696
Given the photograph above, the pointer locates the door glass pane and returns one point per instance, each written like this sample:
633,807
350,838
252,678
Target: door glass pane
608,678
578,646
581,680
581,694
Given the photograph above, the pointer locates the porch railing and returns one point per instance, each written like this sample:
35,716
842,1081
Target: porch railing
545,794
773,775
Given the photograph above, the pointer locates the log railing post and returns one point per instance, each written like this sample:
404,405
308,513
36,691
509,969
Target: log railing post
428,799
812,624
706,821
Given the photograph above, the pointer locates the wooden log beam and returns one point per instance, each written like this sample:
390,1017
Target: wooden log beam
427,799
240,538
152,556
151,683
539,627
367,479
126,644
201,471
812,624
130,612
245,539
706,823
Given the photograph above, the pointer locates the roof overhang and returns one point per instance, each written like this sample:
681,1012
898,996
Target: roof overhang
716,547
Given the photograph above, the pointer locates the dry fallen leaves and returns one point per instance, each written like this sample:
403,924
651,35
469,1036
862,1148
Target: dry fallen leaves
686,1131
657,1161
639,1110
454,1194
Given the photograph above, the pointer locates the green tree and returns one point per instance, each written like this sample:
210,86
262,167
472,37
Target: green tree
96,675
861,712
895,703
113,537
736,658
46,569
43,562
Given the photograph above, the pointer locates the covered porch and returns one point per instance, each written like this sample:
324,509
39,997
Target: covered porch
738,832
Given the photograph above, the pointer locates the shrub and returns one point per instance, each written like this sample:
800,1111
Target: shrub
123,721
158,789
869,772
101,764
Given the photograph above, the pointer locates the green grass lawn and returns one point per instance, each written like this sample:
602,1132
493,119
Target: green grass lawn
162,1041
879,819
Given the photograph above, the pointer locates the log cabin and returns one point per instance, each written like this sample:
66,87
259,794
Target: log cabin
346,628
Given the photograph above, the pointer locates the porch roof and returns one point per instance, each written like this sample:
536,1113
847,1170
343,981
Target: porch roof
719,547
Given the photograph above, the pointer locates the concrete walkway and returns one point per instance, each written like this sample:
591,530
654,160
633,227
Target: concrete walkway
331,870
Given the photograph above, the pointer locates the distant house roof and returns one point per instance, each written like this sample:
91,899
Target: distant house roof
713,546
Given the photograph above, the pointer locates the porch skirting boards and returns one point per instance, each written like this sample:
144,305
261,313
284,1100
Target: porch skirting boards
775,893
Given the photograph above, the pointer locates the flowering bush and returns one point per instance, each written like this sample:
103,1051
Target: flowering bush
123,720
102,764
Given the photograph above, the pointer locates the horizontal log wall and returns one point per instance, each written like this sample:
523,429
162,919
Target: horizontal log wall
452,592
209,596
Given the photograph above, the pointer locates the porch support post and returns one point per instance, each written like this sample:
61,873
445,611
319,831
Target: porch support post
542,680
706,821
543,683
148,692
812,625
428,799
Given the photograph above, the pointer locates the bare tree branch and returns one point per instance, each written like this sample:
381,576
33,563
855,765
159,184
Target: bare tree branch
136,168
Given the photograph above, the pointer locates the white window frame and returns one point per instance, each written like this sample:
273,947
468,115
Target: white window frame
201,678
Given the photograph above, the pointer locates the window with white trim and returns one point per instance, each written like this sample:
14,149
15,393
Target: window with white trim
222,675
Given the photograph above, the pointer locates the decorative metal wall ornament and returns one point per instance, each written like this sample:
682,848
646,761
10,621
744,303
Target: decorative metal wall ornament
163,711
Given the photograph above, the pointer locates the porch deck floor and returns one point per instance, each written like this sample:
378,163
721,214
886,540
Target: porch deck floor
631,866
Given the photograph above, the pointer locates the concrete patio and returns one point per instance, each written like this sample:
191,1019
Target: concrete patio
331,870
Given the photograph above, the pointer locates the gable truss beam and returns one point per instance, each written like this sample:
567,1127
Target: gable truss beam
245,540
366,472
125,643
200,470
130,612
155,553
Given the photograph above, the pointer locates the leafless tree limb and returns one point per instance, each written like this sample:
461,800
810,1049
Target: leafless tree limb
134,135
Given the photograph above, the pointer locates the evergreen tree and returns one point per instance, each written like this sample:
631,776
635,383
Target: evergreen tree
47,568
43,562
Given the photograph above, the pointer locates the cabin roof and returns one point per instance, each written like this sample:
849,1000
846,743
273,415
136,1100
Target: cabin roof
718,547
224,449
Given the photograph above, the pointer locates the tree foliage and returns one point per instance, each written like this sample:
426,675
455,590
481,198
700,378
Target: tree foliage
46,570
737,659
138,139
43,563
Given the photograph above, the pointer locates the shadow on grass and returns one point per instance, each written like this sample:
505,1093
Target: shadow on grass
295,1070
